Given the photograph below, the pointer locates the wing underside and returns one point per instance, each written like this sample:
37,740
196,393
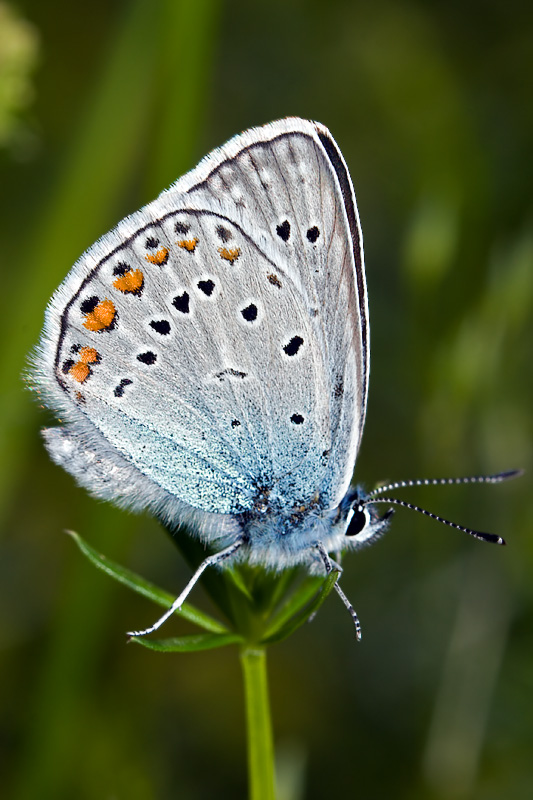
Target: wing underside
218,338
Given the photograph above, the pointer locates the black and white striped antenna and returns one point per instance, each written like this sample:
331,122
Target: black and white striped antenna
375,496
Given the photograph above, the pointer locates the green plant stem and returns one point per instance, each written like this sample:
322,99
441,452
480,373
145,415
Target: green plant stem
258,725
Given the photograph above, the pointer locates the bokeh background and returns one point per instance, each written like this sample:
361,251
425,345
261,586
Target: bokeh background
103,105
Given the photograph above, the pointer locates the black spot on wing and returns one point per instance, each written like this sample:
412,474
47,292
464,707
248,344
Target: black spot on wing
231,373
121,268
119,390
89,304
207,287
224,234
284,230
147,358
293,345
181,303
161,326
249,313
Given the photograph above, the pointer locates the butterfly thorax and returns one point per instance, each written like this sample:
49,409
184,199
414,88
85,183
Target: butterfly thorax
278,536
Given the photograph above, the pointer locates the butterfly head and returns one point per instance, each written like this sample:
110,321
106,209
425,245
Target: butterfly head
363,523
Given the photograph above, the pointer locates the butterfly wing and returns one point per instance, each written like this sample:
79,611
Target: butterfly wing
290,178
205,348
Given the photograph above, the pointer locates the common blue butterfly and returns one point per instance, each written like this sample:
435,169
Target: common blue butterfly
209,357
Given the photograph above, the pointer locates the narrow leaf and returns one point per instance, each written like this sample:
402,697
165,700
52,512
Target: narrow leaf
298,599
277,632
234,575
190,643
145,588
283,582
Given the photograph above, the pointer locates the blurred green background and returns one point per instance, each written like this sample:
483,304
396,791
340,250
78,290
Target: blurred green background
103,105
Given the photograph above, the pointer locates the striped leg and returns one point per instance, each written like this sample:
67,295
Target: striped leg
331,565
210,561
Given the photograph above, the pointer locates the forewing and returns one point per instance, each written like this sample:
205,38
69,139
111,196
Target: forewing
291,180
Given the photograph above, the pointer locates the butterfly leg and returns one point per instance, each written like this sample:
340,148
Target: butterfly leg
210,561
331,565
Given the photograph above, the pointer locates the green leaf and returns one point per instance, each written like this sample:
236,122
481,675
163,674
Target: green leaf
283,582
299,598
147,589
190,643
293,615
235,576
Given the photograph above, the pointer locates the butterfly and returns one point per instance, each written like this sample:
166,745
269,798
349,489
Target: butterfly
209,358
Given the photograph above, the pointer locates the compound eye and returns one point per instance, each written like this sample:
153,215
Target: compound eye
358,521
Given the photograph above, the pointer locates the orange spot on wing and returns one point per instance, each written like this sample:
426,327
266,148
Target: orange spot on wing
79,371
88,355
161,257
229,254
133,280
188,244
101,317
